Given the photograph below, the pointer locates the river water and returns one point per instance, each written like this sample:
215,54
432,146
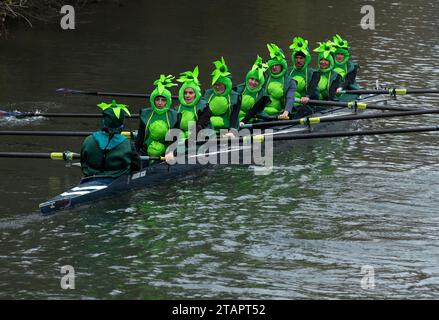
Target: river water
331,212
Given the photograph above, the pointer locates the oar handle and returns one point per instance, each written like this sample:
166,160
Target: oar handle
66,155
107,94
392,91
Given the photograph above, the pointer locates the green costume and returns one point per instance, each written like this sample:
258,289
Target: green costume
190,111
107,152
251,96
154,122
278,84
328,75
222,106
346,69
302,75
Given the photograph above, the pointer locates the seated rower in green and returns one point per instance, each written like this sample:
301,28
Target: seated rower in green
303,75
328,79
191,103
156,121
107,152
254,96
280,88
343,65
223,106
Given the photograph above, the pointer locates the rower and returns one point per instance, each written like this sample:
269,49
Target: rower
191,102
223,102
329,80
303,75
156,121
280,89
343,65
254,96
107,152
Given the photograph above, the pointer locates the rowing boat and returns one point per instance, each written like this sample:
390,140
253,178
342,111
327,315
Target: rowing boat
92,189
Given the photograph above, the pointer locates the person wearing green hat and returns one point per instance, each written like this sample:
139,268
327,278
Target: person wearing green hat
280,88
191,103
301,72
343,65
328,79
107,152
156,121
254,97
223,103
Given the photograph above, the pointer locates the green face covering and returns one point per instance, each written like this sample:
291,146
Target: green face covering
162,84
113,116
277,57
222,75
189,80
300,45
257,72
325,51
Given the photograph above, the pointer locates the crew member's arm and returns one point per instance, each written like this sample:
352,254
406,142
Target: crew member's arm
290,100
140,136
333,89
350,79
234,116
204,118
258,107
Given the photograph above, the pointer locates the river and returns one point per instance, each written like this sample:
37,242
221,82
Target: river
331,213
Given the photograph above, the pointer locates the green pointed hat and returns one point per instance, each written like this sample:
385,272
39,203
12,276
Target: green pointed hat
222,75
114,116
189,80
257,72
341,46
300,45
162,85
276,57
325,51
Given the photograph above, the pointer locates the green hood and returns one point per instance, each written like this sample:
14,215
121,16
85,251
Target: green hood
325,51
162,84
300,45
189,80
113,116
222,75
276,57
257,72
341,46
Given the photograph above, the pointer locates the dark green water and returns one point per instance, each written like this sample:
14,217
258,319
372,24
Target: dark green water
305,231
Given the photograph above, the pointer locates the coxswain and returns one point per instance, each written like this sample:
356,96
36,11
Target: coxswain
107,152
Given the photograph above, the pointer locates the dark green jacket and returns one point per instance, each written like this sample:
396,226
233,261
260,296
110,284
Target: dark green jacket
101,156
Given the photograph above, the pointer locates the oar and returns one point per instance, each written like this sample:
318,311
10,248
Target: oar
355,104
314,120
66,155
392,91
127,134
304,136
20,115
106,94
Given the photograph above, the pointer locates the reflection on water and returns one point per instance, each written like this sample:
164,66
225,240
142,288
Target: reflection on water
305,231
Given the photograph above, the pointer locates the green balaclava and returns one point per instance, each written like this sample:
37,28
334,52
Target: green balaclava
341,46
114,116
276,57
188,111
222,75
300,45
189,80
162,84
249,95
257,72
325,51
